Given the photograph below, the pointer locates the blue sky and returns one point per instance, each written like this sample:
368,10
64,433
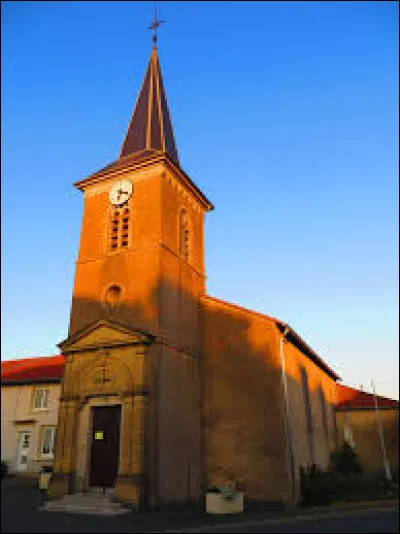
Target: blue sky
285,115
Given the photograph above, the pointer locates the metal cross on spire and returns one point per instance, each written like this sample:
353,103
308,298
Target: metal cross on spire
154,25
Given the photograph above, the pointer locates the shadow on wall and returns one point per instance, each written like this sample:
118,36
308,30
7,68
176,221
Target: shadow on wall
236,396
364,427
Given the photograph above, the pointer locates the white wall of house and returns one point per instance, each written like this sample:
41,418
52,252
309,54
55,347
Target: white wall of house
22,420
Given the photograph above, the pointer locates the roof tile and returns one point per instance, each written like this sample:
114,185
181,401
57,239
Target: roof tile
348,397
32,369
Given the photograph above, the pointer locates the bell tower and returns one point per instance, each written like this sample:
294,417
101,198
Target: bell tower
133,344
141,257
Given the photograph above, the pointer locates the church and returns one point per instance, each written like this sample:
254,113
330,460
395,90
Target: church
167,390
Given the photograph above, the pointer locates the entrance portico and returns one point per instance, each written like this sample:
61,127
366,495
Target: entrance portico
102,433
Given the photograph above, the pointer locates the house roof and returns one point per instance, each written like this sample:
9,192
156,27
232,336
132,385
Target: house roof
292,336
350,398
30,370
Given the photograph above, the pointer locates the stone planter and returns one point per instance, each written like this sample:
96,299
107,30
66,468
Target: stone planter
217,504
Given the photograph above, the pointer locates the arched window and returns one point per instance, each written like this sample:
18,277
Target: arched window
112,297
324,412
184,235
308,413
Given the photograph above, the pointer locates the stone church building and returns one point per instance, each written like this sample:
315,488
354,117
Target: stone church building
168,390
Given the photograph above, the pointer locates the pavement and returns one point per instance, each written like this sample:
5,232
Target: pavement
246,520
21,501
249,523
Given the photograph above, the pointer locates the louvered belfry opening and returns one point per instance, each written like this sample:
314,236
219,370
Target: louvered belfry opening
119,227
150,127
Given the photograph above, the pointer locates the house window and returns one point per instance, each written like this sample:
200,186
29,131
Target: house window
40,399
184,235
48,441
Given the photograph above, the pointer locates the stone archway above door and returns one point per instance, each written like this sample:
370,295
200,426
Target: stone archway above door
103,360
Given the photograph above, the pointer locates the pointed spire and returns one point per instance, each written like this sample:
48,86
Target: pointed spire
150,127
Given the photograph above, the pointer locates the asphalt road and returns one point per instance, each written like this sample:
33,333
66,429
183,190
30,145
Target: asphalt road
346,522
20,501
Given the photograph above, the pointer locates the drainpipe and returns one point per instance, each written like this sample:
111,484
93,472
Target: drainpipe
385,460
289,433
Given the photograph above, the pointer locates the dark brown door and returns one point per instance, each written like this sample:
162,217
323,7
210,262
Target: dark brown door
105,445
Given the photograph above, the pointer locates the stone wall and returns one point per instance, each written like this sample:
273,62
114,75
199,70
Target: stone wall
246,434
363,425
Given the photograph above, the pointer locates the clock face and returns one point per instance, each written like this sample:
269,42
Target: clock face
120,192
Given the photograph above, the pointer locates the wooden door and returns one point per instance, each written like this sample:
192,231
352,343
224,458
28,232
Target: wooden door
105,445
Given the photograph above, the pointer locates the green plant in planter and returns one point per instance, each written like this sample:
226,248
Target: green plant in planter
226,492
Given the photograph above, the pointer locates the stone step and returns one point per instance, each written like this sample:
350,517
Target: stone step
88,497
103,511
91,510
85,503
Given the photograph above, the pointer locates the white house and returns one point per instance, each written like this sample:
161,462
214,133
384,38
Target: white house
30,394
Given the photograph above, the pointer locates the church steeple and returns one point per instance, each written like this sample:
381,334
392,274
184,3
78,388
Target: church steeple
150,128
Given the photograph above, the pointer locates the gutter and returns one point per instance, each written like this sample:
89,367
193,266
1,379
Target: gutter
30,382
294,338
288,426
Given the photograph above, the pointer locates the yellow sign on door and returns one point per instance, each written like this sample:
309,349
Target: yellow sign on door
99,434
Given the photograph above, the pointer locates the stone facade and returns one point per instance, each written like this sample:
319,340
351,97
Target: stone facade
153,330
200,385
247,437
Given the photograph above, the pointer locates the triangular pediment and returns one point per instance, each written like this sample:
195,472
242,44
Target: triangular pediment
104,333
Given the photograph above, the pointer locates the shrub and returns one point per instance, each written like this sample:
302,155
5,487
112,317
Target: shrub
344,481
344,460
316,486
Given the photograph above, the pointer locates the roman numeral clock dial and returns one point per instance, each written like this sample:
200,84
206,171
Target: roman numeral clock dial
120,192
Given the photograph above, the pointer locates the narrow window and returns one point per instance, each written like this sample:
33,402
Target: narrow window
323,412
184,235
48,441
308,413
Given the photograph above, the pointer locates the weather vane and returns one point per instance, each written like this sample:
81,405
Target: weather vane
154,25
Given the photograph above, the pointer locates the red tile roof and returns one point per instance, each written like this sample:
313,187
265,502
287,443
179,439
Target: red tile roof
32,369
351,398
